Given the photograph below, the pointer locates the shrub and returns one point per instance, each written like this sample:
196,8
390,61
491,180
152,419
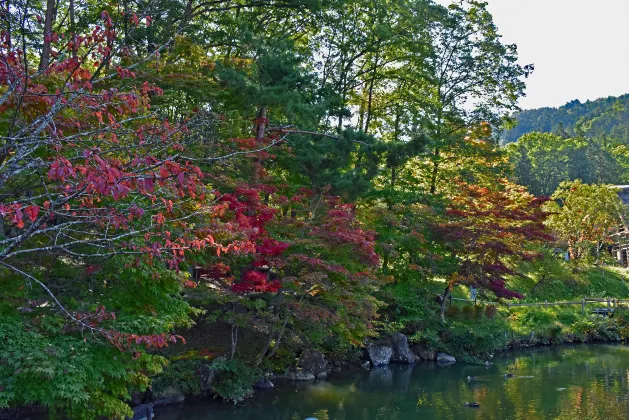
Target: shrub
234,379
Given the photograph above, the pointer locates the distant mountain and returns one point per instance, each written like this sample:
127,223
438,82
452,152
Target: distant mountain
602,118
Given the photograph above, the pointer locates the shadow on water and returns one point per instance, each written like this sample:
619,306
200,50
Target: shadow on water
572,382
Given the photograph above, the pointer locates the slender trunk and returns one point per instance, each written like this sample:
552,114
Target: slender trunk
261,355
393,179
7,23
261,122
396,126
73,29
435,171
372,82
444,300
234,342
186,15
44,59
539,283
278,341
361,112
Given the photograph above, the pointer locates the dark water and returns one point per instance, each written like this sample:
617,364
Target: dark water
576,382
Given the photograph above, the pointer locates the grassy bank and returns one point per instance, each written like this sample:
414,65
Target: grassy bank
475,333
472,333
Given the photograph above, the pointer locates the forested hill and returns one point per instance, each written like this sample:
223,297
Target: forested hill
604,117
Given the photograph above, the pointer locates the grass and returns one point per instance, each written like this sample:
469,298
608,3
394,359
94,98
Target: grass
474,333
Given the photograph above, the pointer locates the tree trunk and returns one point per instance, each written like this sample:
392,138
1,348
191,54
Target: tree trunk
234,342
44,59
371,86
261,355
539,283
186,15
435,170
73,28
279,340
444,300
7,22
393,179
261,121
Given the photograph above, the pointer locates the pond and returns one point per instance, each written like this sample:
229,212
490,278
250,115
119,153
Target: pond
571,382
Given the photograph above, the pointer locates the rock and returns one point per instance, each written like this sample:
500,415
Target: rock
401,352
303,377
143,412
423,353
445,358
312,362
168,396
321,376
296,377
379,355
263,383
366,365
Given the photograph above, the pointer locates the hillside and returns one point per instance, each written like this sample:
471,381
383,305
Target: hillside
604,117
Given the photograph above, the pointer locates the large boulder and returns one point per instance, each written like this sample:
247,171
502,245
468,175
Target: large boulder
401,352
422,352
142,412
379,355
170,395
263,383
313,362
445,358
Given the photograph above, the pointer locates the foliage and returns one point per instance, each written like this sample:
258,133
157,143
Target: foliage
604,117
184,375
542,161
484,228
585,216
233,379
294,174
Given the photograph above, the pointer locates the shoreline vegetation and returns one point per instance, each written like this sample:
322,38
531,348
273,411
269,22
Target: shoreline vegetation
472,334
205,198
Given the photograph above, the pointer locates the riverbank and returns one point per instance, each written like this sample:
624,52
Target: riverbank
581,381
472,334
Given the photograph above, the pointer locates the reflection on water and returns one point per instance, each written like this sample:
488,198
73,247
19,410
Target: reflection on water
577,382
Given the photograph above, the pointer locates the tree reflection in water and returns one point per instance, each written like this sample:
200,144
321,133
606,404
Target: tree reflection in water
575,382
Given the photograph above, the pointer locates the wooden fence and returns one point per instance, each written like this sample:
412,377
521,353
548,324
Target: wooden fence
611,303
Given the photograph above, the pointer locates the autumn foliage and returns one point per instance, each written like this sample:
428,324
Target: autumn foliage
488,229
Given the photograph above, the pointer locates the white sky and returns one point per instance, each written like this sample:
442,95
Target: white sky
580,48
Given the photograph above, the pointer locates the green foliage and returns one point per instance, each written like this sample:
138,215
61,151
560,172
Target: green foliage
79,376
584,216
234,379
604,116
183,375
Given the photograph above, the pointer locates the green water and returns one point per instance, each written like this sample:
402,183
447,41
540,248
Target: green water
575,382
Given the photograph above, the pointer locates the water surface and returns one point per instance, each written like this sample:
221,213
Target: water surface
574,382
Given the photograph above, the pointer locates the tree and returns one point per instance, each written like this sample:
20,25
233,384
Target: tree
487,231
468,65
584,215
99,206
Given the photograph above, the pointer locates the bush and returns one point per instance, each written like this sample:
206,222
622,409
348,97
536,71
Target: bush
234,379
184,375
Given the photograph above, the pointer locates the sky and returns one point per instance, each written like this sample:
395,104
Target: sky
580,48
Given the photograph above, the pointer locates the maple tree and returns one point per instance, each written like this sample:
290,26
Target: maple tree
485,230
311,273
93,182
